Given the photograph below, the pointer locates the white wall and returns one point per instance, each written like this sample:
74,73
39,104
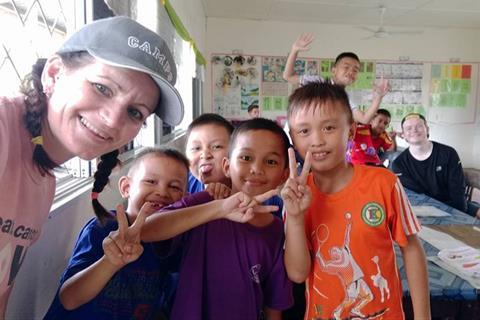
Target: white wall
275,38
193,17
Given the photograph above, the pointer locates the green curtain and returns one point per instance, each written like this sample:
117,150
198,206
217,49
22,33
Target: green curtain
182,31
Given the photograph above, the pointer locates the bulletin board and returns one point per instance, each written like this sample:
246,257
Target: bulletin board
241,80
452,92
442,92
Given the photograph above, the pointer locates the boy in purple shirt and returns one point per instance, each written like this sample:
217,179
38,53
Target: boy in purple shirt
231,270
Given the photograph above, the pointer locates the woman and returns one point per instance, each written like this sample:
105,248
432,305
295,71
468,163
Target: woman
87,100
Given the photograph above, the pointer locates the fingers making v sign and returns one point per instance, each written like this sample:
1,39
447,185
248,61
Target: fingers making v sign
241,208
123,245
295,193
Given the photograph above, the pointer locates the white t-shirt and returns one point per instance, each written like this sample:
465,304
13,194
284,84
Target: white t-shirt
25,195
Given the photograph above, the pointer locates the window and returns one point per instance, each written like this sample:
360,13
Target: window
37,28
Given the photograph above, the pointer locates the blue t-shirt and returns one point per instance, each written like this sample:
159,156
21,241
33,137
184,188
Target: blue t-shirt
137,291
194,185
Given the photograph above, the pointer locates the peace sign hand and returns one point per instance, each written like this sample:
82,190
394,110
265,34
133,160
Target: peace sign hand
241,208
303,42
296,194
123,246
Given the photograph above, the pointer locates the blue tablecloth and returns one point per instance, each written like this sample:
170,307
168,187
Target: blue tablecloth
443,284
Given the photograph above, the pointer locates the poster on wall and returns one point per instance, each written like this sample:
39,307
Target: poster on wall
236,84
405,95
241,80
274,88
452,92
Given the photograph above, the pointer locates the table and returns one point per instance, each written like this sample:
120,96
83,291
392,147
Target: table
447,291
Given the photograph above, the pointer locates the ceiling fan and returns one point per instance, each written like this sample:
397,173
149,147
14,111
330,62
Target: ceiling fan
381,31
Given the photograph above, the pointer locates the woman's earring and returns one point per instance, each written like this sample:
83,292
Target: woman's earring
47,92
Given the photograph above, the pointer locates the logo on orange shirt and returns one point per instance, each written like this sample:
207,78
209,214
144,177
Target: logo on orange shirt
373,214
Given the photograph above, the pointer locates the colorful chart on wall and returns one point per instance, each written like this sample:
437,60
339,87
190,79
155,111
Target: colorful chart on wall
452,92
405,80
443,92
241,80
405,95
236,84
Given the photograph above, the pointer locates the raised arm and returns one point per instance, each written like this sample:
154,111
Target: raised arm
417,277
301,44
296,197
380,89
238,207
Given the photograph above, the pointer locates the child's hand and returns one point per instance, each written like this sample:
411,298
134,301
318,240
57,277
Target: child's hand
241,207
218,190
381,87
303,42
123,246
295,193
392,134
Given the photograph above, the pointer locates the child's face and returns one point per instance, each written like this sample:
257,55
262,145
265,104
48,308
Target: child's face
96,108
207,145
415,131
345,72
324,130
254,113
158,179
257,163
379,124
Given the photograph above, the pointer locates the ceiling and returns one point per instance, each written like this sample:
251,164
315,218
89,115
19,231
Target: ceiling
407,13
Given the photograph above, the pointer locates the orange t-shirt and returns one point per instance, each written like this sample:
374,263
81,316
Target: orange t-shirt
351,234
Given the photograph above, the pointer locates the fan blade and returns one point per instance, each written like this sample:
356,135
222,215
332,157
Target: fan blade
370,37
406,32
367,29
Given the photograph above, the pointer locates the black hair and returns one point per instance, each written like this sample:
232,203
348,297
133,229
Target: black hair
36,105
252,106
210,118
317,93
110,161
385,112
260,124
346,55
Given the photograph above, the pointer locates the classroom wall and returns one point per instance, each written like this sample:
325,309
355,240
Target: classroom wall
193,17
275,38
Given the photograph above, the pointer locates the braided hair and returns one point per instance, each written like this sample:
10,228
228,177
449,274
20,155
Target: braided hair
35,109
105,166
36,104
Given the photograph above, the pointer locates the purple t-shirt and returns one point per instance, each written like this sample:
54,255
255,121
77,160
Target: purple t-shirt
230,270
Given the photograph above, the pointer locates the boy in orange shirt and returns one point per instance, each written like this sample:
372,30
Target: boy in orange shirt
342,219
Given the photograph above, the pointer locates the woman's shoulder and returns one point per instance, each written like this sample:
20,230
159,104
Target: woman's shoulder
12,104
11,111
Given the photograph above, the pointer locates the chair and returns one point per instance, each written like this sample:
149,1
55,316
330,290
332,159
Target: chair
472,178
